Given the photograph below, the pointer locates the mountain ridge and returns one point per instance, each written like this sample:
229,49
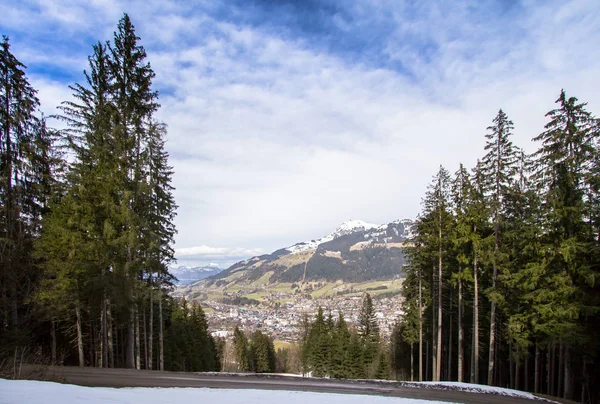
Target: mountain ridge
354,251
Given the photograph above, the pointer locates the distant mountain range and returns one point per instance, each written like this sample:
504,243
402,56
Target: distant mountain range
356,251
185,274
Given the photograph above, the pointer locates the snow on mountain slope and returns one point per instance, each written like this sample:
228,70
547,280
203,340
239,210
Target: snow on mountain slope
348,227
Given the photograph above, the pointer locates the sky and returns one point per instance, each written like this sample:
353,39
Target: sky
286,118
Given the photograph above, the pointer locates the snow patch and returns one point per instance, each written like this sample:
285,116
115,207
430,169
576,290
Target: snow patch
33,392
476,388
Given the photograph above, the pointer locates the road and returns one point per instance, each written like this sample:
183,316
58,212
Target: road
96,377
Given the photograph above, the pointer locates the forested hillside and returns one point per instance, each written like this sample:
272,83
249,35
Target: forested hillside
503,278
87,222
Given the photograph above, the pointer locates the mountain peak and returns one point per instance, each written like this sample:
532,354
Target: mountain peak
352,225
347,227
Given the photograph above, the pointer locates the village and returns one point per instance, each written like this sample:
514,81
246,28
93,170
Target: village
283,320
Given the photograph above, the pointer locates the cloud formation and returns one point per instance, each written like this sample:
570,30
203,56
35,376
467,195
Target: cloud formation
287,118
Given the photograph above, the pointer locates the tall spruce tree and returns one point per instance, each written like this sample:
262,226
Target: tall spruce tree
565,155
118,202
437,225
462,237
498,167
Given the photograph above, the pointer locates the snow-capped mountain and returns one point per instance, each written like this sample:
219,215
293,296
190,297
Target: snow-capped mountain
351,226
186,274
355,250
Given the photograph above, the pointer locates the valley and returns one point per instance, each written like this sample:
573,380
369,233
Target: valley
274,292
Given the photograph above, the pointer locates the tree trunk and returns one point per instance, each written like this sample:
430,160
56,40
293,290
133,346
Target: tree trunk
433,344
130,338
438,367
492,353
568,392
561,363
151,327
53,335
517,373
92,344
511,365
552,389
548,366
412,366
527,370
138,354
460,334
427,361
79,337
536,379
109,335
475,360
145,339
104,332
161,357
420,332
449,364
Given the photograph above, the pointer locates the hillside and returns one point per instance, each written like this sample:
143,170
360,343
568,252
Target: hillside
355,252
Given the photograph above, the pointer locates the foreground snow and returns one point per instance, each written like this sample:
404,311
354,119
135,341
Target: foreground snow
33,392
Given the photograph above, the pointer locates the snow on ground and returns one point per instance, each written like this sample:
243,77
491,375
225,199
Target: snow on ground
33,392
474,388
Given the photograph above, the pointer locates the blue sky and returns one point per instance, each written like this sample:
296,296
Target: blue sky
287,117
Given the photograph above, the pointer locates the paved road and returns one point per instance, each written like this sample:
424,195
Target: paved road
147,378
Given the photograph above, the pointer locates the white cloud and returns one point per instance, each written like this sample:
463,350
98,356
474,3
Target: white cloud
275,141
206,252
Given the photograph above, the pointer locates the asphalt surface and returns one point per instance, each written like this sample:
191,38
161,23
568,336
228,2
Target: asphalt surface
95,377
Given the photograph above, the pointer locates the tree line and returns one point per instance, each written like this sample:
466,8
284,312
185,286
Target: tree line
502,283
86,221
331,348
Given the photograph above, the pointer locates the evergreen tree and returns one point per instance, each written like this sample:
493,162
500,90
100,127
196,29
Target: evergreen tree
240,343
435,225
383,370
498,168
319,346
356,367
340,361
369,331
262,353
26,177
566,153
118,201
